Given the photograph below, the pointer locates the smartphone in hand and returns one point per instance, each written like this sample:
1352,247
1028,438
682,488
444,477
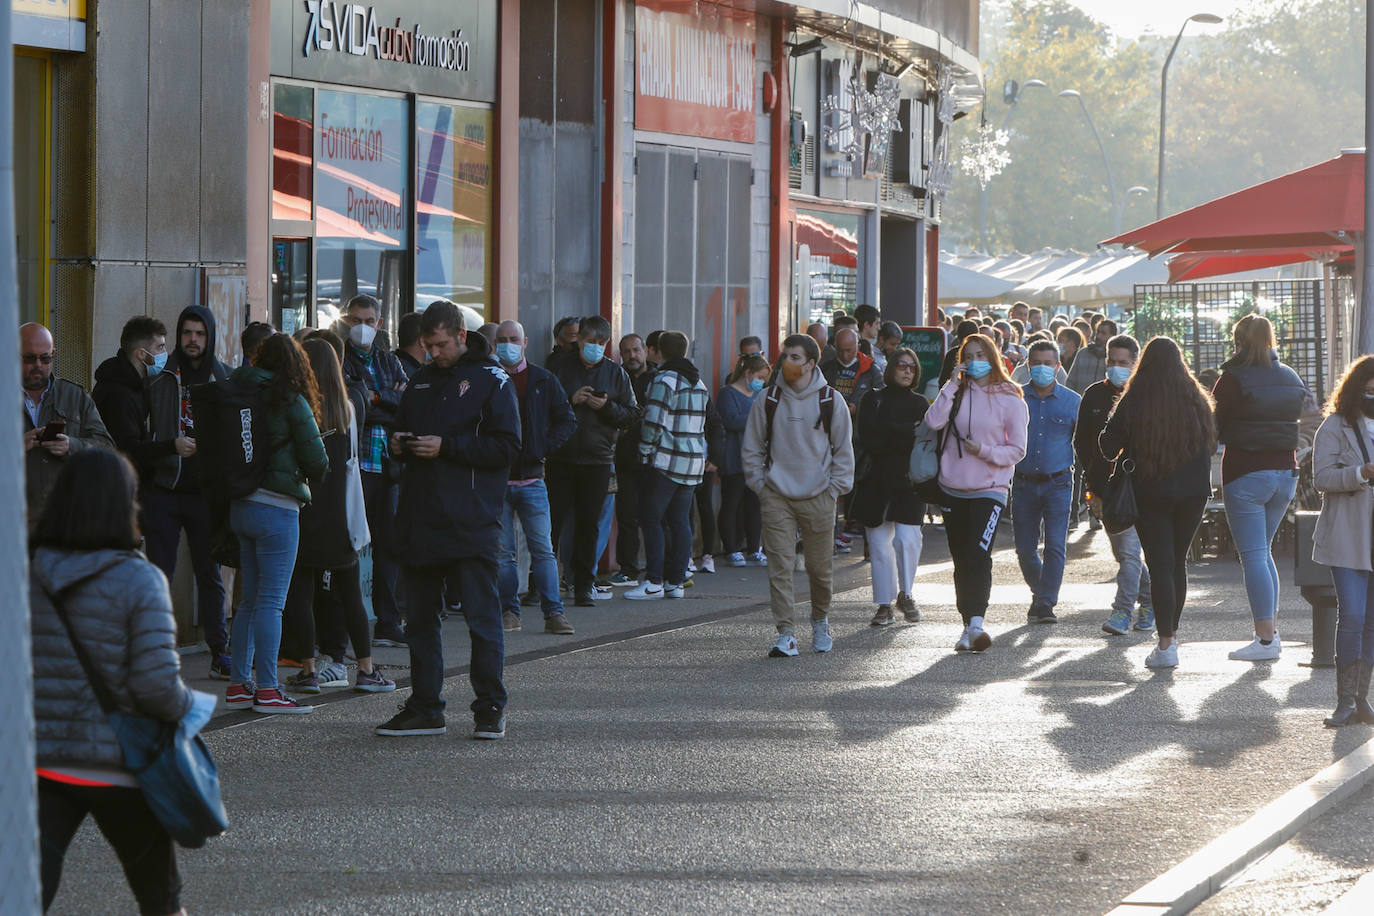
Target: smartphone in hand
52,431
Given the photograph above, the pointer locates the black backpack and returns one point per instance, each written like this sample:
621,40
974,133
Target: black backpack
232,447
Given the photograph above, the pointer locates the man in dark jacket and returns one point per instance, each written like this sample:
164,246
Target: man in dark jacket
546,422
457,434
367,362
119,388
409,350
172,497
634,360
48,400
579,473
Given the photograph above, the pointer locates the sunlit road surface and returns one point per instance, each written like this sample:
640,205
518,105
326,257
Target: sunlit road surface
683,771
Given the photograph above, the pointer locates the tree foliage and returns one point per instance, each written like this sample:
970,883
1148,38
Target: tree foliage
1277,88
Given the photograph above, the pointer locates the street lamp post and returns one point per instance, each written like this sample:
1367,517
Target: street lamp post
1106,163
1209,19
983,198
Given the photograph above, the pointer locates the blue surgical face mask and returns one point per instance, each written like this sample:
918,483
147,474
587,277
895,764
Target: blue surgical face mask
756,385
1042,376
1118,375
508,353
592,353
978,368
159,363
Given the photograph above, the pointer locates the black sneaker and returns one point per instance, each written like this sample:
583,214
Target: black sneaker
1041,613
489,724
408,722
585,600
390,637
219,668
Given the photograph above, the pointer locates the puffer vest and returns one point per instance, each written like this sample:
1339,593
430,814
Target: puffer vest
1271,402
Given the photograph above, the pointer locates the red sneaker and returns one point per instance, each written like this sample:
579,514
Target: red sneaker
239,696
272,700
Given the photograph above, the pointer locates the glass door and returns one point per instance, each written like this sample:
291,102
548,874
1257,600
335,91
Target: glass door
291,288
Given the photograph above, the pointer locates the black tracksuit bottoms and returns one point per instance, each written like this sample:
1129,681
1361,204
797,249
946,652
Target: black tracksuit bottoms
1166,526
971,527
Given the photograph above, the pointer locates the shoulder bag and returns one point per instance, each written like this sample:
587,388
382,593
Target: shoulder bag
1119,509
174,769
923,468
355,509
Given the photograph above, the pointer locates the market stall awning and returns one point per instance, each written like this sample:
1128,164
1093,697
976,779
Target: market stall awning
959,284
1200,265
1313,208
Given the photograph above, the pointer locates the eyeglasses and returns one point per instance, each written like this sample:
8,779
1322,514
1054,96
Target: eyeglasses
44,358
910,367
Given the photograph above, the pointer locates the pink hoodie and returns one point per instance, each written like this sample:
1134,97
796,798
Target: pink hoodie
995,418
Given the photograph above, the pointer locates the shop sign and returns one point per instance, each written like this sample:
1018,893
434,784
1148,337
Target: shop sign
56,24
434,47
694,69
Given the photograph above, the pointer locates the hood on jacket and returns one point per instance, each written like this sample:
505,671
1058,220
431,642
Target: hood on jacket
57,569
479,348
684,368
117,370
177,360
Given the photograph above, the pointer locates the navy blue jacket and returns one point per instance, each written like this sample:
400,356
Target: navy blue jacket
450,506
546,422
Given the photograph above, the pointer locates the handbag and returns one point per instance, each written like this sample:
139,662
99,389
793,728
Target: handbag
923,468
175,770
355,508
1119,509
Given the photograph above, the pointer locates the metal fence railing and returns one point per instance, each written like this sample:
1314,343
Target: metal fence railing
1200,315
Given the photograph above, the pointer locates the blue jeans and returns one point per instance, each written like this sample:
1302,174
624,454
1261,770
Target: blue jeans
603,527
1037,504
1132,576
1354,623
424,591
665,518
268,536
1255,504
531,504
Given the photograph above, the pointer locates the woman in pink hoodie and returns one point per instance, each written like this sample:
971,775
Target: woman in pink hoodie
986,417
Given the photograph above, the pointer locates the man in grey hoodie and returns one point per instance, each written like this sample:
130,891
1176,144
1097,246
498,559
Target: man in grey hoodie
798,456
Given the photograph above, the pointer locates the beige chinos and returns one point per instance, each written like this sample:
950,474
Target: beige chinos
781,519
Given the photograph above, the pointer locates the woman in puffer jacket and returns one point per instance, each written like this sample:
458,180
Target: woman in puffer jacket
86,556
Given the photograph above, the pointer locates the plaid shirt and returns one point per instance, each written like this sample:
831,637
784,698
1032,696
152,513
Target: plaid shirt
673,437
374,449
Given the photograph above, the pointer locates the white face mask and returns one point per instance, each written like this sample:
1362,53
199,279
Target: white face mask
362,335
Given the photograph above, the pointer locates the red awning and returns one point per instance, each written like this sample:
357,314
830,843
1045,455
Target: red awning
1197,266
1314,208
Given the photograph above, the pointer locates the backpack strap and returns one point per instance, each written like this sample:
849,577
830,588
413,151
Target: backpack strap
770,408
825,399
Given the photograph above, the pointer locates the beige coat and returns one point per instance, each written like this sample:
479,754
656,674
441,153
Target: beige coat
1343,536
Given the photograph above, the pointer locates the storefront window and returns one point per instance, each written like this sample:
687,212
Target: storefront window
362,154
292,141
453,205
827,265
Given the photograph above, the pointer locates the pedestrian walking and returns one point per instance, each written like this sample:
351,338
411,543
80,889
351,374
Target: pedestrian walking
986,415
546,422
330,537
1162,429
457,433
798,456
884,502
1090,363
1259,401
266,521
86,558
740,520
1043,491
1132,575
672,447
1343,471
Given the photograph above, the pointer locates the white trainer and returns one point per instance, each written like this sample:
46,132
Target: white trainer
1257,651
963,645
785,647
821,640
672,591
645,591
1163,658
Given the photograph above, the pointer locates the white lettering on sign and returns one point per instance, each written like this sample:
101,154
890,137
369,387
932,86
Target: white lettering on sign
352,28
246,434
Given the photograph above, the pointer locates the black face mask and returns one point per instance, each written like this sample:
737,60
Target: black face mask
1367,405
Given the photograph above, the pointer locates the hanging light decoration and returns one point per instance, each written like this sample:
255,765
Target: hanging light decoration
941,173
985,155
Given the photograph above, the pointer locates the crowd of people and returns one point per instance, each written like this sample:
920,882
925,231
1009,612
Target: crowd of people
456,455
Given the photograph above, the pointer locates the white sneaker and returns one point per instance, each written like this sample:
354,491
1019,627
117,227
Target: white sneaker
785,647
964,639
602,593
758,559
1257,651
821,640
800,564
708,564
672,591
1163,658
646,591
737,559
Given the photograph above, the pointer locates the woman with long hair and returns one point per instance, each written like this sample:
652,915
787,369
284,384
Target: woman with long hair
327,558
86,558
1343,471
1162,427
739,506
986,416
266,522
884,502
1259,401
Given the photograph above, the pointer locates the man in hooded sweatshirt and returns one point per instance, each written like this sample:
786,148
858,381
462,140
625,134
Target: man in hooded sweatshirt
172,497
798,456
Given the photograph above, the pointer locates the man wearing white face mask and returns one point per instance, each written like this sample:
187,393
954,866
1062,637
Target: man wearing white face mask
380,373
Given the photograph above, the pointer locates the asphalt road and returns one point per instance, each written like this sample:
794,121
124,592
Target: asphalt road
674,768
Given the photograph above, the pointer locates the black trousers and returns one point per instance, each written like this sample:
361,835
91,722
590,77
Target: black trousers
971,527
627,521
1166,526
164,516
321,606
706,513
578,490
379,496
739,513
144,849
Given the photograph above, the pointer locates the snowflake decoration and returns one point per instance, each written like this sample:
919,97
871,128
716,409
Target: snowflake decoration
985,155
858,113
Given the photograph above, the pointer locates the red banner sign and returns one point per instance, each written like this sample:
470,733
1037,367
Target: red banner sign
694,69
